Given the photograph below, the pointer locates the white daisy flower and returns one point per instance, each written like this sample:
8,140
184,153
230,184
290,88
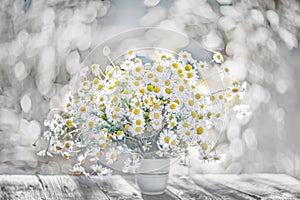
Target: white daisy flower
81,159
83,72
43,153
127,65
172,122
137,70
106,51
58,147
96,70
186,56
202,66
132,164
77,170
119,135
101,171
130,55
172,107
69,145
156,124
65,154
111,156
139,121
156,114
225,70
218,58
136,130
166,138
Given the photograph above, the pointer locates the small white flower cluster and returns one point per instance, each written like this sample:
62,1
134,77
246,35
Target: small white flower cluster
157,108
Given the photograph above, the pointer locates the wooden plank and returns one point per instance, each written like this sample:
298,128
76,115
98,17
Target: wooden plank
278,186
216,188
185,188
258,186
245,186
282,181
60,187
116,187
167,195
20,187
90,189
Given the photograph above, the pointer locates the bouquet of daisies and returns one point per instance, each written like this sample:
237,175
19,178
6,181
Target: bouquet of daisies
154,107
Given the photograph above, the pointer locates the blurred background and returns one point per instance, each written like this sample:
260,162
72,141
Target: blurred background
43,43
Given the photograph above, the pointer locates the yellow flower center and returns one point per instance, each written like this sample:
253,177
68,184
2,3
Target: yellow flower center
127,126
199,130
138,122
142,91
150,75
190,75
167,139
209,114
136,111
181,88
156,89
91,124
188,67
115,98
159,68
96,81
191,102
168,90
156,115
177,101
150,87
186,125
167,82
175,65
114,116
119,132
65,155
98,154
69,122
204,146
173,106
113,156
194,114
156,105
83,109
85,83
100,86
58,148
235,90
173,142
138,69
138,129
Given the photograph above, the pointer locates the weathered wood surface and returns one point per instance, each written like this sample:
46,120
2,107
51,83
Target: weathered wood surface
56,187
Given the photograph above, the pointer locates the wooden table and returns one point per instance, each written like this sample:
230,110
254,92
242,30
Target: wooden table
246,186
